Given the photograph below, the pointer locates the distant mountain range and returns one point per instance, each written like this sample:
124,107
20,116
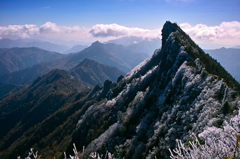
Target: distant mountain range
236,47
146,46
118,47
108,54
133,43
101,53
93,72
8,43
229,59
86,74
75,49
16,59
130,57
89,72
127,40
138,44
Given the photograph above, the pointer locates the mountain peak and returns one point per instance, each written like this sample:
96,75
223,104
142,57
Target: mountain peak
93,72
168,28
96,43
87,62
172,33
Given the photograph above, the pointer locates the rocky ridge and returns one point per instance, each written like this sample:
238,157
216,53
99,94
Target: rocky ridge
169,96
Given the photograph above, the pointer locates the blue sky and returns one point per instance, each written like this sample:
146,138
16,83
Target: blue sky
132,13
142,14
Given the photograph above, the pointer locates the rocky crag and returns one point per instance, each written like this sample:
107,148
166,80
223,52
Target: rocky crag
177,91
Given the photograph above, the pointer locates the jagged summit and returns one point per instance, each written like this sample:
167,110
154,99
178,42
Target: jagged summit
168,28
208,63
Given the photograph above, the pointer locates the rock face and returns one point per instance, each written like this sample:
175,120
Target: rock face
177,91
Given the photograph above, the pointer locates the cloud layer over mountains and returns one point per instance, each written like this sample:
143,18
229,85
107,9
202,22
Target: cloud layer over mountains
226,33
48,29
115,30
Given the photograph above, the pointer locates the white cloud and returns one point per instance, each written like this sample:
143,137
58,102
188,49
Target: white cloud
53,28
48,29
16,31
115,30
227,33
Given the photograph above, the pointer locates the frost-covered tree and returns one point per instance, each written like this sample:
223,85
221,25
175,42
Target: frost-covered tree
31,155
77,155
219,143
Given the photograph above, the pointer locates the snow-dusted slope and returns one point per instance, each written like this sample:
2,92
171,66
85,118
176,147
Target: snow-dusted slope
168,96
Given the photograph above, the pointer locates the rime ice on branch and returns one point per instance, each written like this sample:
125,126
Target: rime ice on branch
219,143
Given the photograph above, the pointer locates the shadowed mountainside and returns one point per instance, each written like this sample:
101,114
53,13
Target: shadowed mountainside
16,59
109,54
229,59
23,112
93,72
